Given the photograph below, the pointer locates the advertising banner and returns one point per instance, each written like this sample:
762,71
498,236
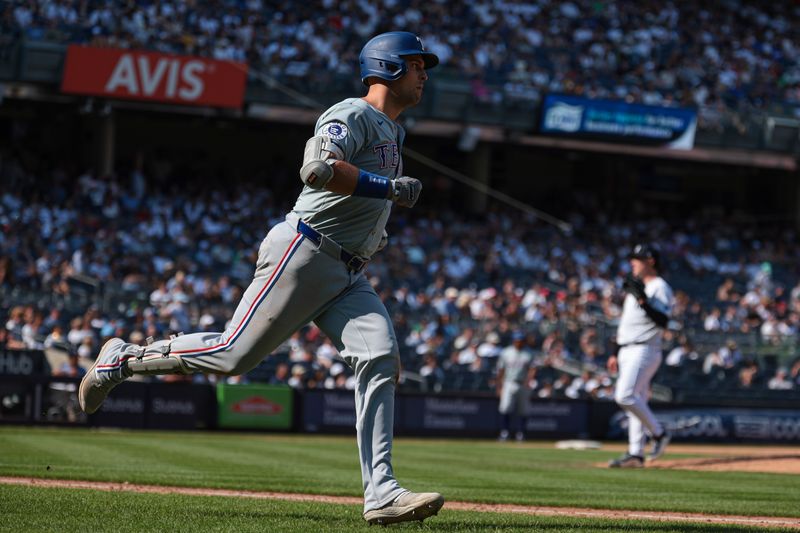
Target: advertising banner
464,415
16,400
329,411
180,406
126,407
22,362
153,76
723,424
255,406
449,414
551,419
608,120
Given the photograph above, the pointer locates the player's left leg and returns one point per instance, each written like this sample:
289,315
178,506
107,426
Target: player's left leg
637,366
636,435
360,328
507,396
523,408
658,433
649,364
625,394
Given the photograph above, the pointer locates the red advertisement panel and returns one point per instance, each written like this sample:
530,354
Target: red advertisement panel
138,75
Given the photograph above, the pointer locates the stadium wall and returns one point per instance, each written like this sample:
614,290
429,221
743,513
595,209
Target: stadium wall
31,400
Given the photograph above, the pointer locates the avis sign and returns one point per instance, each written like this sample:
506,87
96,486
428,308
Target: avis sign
138,75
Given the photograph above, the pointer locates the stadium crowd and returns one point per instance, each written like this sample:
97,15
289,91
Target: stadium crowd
159,259
734,55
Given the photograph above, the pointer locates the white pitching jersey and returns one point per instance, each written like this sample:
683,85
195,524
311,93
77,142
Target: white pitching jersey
635,327
372,142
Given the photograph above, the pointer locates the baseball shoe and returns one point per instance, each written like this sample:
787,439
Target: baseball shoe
106,373
659,446
520,436
406,507
503,436
627,461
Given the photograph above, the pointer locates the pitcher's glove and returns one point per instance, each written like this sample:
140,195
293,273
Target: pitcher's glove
635,287
405,191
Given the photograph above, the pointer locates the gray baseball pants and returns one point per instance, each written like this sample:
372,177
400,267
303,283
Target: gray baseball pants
514,398
295,283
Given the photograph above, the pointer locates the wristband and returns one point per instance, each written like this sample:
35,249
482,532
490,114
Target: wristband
371,185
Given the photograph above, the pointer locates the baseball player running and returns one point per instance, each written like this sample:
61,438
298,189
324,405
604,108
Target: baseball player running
514,371
645,313
310,268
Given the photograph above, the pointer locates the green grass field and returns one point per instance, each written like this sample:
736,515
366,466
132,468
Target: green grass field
477,471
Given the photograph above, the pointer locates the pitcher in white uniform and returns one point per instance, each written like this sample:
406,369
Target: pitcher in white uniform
645,314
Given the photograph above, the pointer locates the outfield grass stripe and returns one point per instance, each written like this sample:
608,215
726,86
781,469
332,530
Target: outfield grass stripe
530,474
752,521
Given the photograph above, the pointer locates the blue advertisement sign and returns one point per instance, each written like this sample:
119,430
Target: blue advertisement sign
723,424
609,120
329,411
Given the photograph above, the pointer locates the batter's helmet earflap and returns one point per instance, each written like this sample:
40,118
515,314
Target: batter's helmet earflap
382,56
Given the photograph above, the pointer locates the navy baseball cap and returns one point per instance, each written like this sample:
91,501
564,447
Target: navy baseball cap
517,336
644,251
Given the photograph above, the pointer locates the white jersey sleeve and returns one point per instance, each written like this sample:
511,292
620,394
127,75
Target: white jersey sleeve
660,296
635,327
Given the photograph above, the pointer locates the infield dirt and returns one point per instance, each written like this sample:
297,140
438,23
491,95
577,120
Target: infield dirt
751,521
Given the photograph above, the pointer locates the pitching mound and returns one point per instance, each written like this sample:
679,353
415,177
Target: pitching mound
773,464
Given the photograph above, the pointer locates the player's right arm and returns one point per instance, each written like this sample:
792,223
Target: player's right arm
611,363
326,166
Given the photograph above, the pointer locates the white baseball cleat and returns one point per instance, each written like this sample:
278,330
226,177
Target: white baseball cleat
659,446
406,507
106,373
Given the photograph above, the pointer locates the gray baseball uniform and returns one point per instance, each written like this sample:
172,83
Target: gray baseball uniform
516,394
301,277
638,360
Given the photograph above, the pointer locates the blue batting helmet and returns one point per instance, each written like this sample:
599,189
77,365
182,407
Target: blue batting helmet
382,56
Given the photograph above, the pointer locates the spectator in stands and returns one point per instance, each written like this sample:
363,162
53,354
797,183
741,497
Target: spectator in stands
780,380
681,352
281,375
712,363
749,374
432,374
729,354
726,291
794,373
70,368
712,320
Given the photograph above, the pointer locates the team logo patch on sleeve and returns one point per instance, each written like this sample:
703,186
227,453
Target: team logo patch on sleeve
335,130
